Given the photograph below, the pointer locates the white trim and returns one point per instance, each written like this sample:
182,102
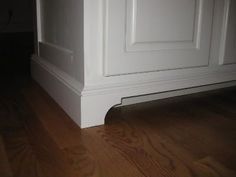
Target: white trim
39,22
56,47
60,88
154,86
63,77
105,31
59,56
86,111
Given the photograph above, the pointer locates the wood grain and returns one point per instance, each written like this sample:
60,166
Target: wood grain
188,136
5,169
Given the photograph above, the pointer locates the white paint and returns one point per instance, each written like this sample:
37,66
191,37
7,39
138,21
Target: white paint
230,43
228,38
89,107
58,56
158,34
82,89
59,85
62,26
146,24
158,43
67,92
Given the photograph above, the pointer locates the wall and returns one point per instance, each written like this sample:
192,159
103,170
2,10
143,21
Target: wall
22,16
16,36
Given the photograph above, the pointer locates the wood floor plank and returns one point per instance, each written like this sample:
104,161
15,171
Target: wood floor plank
188,136
52,117
5,169
137,147
62,131
110,161
170,154
210,167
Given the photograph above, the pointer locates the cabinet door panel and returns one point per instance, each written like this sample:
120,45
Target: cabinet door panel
229,55
174,25
153,35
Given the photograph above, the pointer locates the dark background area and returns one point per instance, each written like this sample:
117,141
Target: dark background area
16,36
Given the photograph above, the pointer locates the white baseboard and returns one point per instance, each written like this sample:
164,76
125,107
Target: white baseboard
61,91
60,57
88,107
85,111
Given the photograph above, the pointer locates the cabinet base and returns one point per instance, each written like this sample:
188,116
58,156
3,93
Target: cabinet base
84,110
88,108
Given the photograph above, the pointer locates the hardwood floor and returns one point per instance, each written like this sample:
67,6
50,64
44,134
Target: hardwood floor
188,136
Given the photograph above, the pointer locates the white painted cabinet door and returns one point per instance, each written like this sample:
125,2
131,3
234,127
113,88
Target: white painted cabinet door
228,48
154,35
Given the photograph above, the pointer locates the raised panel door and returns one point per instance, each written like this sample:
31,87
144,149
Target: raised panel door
155,35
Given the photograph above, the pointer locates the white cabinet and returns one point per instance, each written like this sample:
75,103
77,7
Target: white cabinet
94,53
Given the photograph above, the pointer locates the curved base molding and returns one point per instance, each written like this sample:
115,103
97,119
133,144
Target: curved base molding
94,109
85,110
88,107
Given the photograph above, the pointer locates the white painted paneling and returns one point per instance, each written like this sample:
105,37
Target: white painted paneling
58,56
144,36
61,25
230,45
151,27
60,86
173,26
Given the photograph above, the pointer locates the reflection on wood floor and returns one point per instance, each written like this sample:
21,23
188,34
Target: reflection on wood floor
189,136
